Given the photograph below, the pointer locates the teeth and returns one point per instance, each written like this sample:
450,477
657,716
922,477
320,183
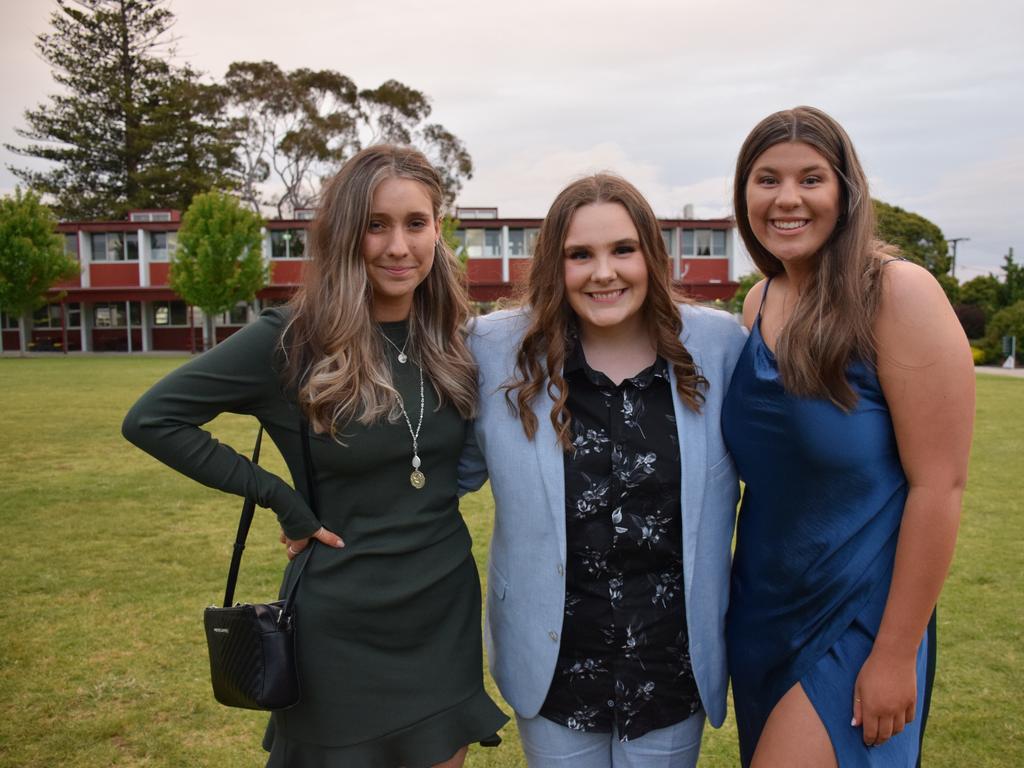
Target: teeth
789,224
606,294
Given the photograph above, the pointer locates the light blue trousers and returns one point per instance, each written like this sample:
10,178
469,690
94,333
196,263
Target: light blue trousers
549,745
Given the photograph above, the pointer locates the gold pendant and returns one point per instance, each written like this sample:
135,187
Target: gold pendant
417,479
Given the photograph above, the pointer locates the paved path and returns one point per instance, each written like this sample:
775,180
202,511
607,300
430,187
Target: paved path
996,371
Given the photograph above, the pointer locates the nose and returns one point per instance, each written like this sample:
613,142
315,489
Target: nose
398,246
788,195
604,269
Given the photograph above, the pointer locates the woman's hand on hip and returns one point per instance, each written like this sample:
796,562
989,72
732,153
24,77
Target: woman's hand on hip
294,547
885,695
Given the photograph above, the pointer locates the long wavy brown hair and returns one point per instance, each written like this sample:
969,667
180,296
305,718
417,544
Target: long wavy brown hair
832,321
543,350
334,355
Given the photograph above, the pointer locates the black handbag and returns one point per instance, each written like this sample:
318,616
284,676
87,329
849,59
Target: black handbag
252,647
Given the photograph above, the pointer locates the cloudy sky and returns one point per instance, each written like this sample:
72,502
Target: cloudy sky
663,92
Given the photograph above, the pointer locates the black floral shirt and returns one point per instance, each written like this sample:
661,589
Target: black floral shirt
624,658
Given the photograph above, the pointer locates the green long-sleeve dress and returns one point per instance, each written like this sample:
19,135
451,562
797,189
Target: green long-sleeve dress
387,628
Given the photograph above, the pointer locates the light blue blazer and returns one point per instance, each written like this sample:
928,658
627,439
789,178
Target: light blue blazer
526,572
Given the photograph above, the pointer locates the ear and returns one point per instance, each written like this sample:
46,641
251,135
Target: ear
437,230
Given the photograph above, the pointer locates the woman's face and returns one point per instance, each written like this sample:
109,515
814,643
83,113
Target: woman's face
792,202
605,270
398,245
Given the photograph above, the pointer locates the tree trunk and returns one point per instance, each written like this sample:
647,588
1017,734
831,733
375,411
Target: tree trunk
22,335
211,332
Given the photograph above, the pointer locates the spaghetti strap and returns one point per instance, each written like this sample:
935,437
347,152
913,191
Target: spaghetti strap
764,295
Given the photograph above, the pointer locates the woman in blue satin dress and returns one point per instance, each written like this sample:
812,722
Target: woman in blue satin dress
849,416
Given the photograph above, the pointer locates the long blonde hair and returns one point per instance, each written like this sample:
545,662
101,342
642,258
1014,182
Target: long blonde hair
832,322
334,355
544,347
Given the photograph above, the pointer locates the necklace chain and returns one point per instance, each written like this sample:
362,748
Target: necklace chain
402,357
417,479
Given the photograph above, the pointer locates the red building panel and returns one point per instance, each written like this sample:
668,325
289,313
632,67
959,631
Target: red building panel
484,270
123,274
158,272
705,270
286,271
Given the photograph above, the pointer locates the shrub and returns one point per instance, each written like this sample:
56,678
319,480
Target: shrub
1006,322
980,355
972,318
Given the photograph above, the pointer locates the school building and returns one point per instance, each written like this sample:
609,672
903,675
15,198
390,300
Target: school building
121,300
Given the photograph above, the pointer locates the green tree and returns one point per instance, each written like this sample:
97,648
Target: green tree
1008,321
1012,287
125,121
747,281
984,291
917,238
297,127
32,256
219,261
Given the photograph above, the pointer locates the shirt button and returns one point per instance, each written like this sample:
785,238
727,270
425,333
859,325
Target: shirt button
554,636
560,569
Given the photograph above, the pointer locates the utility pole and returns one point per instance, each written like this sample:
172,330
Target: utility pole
953,241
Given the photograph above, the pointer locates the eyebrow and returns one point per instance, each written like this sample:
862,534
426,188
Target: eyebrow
808,169
411,215
587,246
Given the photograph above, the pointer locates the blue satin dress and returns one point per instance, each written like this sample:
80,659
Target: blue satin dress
815,546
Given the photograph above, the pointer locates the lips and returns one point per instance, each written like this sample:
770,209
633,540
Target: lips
606,297
789,225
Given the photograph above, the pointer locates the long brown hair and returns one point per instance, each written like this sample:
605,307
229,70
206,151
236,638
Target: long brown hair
335,357
832,321
543,350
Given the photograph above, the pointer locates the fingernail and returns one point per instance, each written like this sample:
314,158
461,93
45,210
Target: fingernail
340,544
854,722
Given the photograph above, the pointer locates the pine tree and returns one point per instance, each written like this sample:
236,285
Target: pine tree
120,115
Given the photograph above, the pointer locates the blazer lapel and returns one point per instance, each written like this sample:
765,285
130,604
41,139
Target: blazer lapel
551,465
693,459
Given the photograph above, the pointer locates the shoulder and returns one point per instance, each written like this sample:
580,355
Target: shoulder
503,324
752,301
703,324
915,321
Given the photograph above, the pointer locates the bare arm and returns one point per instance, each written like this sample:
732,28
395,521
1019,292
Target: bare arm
927,375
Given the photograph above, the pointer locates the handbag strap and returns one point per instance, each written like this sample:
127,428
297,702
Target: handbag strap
248,512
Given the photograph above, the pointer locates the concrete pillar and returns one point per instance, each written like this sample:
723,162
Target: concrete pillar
86,326
143,237
147,325
504,254
84,257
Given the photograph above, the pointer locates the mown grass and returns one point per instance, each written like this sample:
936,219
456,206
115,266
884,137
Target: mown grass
108,559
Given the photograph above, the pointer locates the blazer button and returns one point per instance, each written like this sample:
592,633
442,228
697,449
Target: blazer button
561,570
553,636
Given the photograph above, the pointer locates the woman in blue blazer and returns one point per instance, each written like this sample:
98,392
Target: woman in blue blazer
615,498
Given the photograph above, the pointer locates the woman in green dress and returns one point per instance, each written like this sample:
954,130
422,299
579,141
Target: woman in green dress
371,351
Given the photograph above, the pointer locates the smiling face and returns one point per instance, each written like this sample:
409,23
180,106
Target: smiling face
398,245
605,270
792,197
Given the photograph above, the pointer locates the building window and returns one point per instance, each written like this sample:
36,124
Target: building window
71,246
492,243
115,246
474,243
516,243
704,242
168,313
288,244
112,314
8,322
162,245
48,317
531,241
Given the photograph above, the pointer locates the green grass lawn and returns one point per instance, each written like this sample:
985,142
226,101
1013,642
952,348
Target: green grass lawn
108,559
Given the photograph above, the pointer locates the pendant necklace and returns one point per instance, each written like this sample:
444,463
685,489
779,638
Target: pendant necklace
402,357
416,479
